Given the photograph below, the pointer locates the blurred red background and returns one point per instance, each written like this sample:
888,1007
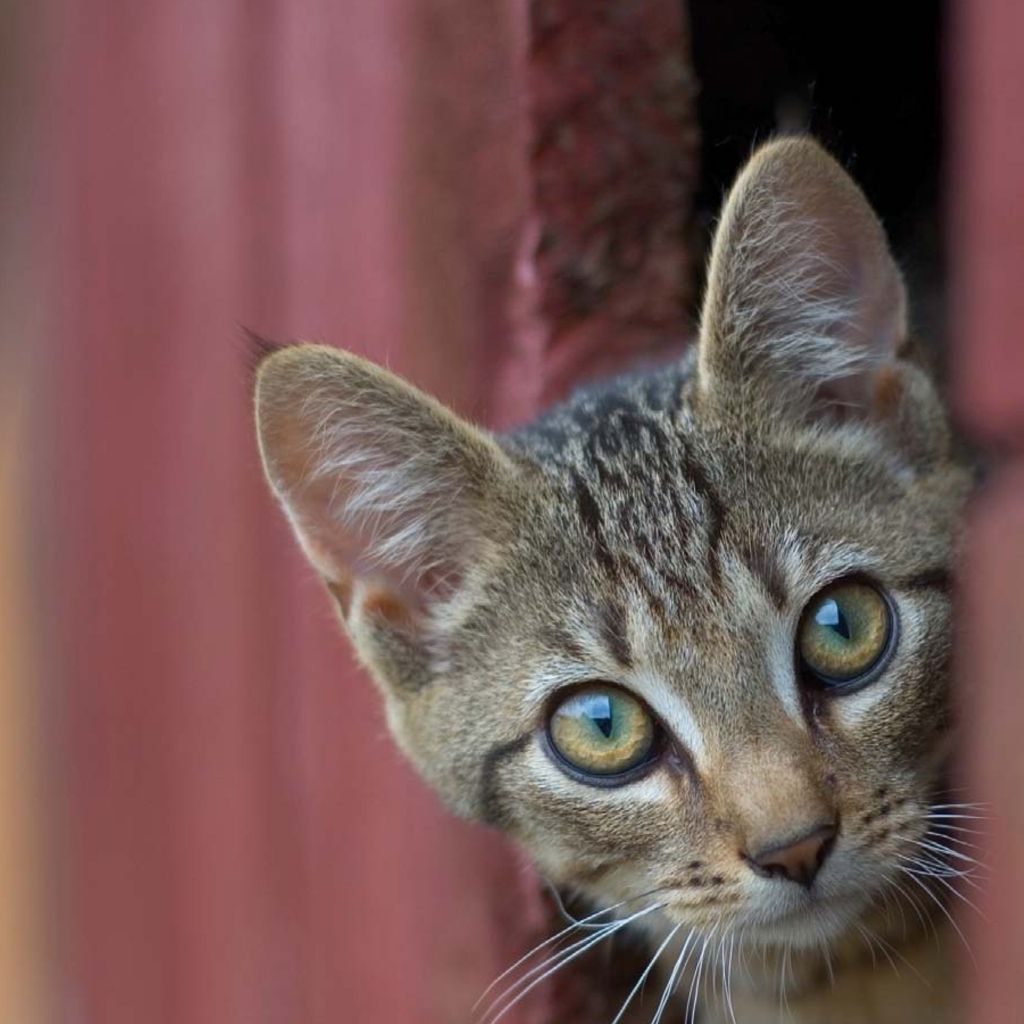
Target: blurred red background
203,818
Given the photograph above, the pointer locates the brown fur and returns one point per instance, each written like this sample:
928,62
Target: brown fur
665,532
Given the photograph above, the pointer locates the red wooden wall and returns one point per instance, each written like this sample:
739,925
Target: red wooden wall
235,838
987,236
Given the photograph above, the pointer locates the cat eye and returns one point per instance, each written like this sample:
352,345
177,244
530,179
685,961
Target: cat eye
846,634
602,734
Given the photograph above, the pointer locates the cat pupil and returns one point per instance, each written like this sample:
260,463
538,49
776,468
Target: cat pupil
600,713
830,614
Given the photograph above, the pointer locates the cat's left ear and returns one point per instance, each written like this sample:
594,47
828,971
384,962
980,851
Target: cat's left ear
396,501
806,311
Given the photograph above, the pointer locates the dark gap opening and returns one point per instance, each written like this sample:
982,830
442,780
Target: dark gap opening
866,80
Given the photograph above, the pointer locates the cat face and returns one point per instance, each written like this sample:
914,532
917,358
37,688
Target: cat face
689,633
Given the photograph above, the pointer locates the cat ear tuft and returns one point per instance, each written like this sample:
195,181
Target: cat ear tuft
805,304
393,498
255,349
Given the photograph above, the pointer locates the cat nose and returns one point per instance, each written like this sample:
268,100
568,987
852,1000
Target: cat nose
799,860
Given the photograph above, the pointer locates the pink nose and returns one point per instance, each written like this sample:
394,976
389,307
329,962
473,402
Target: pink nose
799,860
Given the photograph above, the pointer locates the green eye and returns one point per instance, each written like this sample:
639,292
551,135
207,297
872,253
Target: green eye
602,731
845,632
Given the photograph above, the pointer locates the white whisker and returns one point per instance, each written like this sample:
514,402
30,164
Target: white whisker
728,978
942,907
543,945
784,992
493,1014
867,939
889,950
911,898
956,834
828,964
647,970
928,866
941,848
693,996
953,891
890,901
667,991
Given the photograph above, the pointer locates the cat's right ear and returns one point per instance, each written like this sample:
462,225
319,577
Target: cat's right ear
805,312
395,501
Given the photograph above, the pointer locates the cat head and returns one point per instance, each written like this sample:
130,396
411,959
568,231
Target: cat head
690,632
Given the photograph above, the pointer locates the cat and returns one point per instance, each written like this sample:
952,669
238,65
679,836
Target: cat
686,638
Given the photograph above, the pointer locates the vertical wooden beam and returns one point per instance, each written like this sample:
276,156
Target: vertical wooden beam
26,987
988,263
23,982
987,160
606,276
614,167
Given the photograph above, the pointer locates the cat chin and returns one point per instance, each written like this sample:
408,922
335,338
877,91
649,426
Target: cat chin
808,925
807,922
814,928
